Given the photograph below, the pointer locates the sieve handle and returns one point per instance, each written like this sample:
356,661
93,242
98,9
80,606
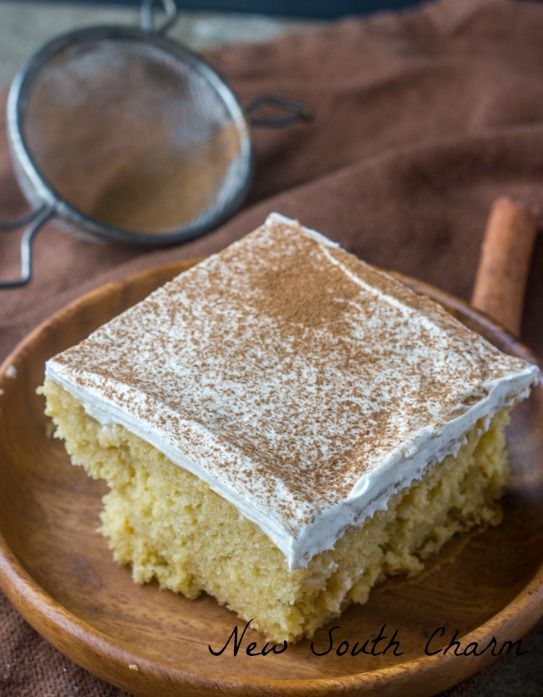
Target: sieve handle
147,16
288,111
34,221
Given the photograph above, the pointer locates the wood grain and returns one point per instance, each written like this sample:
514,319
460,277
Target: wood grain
56,569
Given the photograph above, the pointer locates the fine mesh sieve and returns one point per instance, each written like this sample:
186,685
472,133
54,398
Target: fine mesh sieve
122,134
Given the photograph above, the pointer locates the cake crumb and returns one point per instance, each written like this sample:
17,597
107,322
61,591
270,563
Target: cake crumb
133,666
11,372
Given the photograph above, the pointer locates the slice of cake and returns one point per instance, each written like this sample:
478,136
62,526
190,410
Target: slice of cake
283,425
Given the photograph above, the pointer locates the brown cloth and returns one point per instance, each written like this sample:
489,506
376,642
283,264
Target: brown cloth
422,118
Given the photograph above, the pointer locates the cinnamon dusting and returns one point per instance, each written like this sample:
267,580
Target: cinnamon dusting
287,369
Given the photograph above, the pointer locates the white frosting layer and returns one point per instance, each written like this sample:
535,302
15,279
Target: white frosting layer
270,474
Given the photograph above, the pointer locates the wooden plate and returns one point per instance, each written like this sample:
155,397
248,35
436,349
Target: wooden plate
57,571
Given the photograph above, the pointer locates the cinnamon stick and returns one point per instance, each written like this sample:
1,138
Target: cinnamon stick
504,262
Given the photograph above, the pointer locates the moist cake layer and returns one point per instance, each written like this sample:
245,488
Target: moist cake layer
167,524
302,385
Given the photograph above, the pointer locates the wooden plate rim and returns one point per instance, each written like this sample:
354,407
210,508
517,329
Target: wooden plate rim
51,619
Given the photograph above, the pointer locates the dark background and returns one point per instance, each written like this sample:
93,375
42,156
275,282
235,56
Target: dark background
320,9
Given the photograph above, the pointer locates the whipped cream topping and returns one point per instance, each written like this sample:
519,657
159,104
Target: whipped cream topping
303,385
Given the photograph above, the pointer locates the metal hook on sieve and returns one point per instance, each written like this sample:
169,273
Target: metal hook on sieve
288,111
35,220
147,20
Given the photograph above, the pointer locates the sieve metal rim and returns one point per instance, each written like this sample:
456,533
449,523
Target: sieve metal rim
53,202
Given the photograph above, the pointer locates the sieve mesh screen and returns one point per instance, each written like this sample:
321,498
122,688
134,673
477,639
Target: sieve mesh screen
132,136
